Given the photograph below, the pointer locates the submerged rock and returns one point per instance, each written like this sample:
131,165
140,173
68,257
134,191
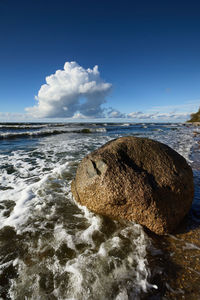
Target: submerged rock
137,179
86,130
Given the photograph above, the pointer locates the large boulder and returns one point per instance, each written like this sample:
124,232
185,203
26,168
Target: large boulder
137,179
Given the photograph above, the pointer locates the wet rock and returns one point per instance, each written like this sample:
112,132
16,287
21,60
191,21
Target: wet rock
7,206
137,179
86,130
46,282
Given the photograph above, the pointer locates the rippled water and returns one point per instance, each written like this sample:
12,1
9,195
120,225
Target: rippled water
50,247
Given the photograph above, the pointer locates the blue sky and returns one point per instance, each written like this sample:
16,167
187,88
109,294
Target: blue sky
148,54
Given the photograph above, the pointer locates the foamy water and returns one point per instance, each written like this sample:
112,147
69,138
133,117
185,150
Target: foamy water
51,247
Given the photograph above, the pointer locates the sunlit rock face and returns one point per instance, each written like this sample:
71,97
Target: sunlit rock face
137,179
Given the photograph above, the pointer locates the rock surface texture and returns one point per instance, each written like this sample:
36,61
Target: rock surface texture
136,179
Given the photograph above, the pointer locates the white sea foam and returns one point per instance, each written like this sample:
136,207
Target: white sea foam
101,129
126,124
32,171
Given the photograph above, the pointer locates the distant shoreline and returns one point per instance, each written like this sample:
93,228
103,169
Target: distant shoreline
194,123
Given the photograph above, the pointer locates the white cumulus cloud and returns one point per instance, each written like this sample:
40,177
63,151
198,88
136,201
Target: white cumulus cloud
140,115
71,92
113,113
159,116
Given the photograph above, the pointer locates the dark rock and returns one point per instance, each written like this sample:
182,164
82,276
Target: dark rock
137,179
195,118
86,130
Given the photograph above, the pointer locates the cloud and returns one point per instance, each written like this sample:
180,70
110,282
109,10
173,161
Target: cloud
13,117
159,116
71,92
113,113
139,115
79,116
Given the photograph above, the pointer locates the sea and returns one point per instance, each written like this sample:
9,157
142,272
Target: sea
53,248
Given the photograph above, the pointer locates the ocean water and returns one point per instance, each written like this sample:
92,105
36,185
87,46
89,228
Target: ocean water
51,247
